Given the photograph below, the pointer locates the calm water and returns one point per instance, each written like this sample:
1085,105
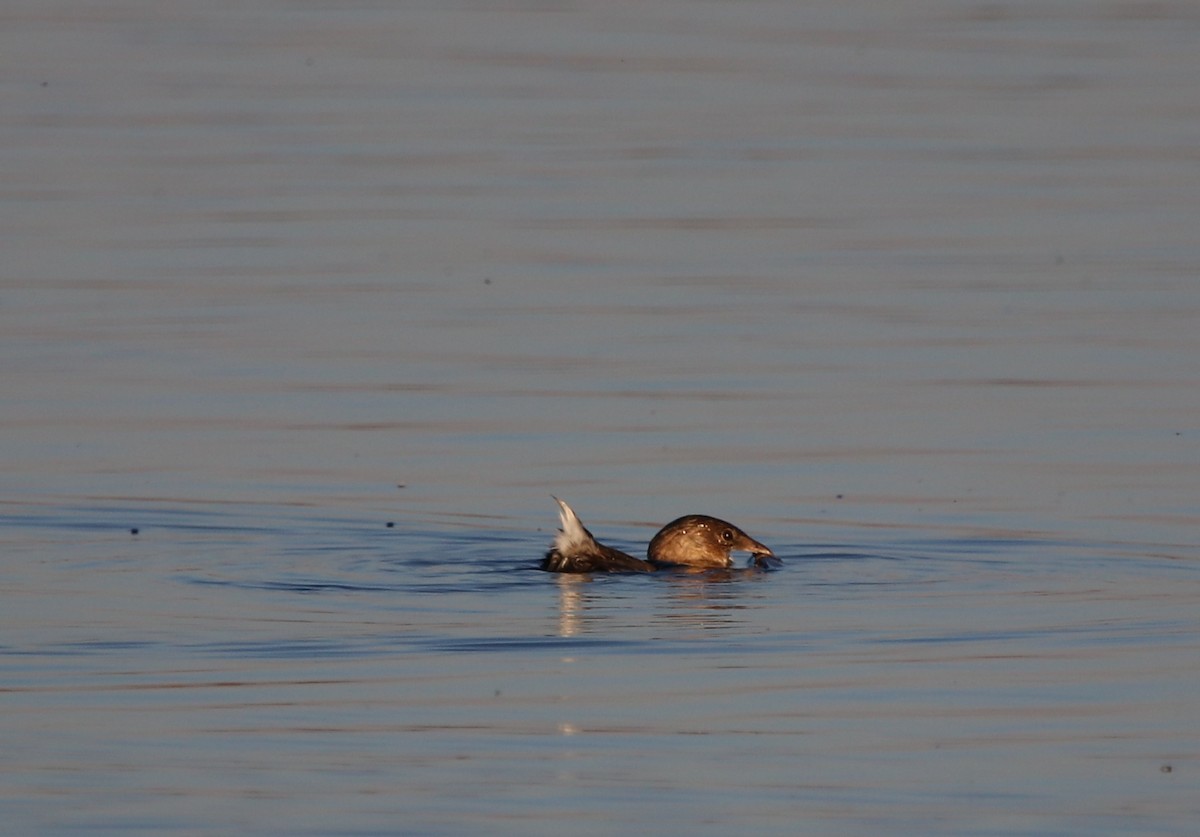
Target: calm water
324,300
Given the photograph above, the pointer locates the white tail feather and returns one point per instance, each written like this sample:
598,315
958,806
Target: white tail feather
573,538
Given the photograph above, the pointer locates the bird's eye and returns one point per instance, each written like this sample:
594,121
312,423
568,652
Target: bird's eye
727,535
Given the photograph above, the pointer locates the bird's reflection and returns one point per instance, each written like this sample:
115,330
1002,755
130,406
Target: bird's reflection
570,603
709,600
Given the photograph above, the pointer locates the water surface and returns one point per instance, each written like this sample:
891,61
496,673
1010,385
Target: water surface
907,291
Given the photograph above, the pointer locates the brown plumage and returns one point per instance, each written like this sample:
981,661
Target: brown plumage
695,541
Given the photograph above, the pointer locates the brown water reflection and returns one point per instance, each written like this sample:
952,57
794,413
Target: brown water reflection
700,601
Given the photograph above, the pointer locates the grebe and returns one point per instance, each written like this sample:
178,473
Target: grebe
695,541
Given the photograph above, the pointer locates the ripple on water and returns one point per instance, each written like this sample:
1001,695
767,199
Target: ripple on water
445,653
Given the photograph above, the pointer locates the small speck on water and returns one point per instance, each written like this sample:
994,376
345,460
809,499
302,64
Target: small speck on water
1166,768
391,524
133,531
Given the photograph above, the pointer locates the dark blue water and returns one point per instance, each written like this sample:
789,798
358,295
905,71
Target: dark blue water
286,673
